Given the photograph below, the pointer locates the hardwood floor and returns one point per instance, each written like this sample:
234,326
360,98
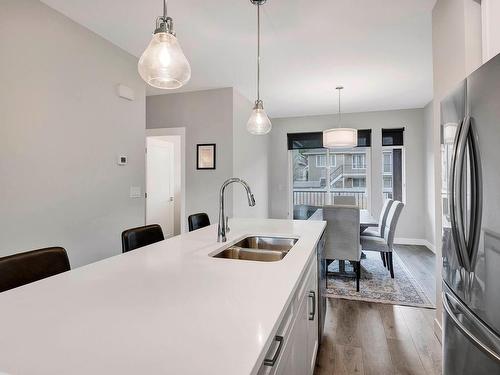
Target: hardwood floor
378,339
371,338
421,262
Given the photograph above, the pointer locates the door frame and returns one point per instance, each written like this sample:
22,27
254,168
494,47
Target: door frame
178,131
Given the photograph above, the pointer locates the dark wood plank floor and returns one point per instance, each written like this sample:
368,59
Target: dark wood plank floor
370,338
377,339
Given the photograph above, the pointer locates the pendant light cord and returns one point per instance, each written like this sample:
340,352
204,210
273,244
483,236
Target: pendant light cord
340,115
258,52
164,9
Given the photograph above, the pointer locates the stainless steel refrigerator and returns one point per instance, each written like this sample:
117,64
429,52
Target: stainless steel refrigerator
470,134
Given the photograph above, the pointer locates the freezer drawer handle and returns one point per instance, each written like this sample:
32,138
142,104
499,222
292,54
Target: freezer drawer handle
476,341
312,314
271,362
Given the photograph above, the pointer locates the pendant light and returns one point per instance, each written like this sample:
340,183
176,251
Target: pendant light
258,123
340,137
163,64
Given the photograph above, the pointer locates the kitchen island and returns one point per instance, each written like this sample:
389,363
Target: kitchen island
168,308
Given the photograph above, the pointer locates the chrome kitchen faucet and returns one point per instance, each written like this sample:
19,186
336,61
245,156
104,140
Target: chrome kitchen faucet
223,220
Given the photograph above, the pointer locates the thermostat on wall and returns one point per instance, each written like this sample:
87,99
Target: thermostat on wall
122,160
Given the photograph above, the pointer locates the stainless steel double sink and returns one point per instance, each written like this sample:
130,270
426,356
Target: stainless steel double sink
259,248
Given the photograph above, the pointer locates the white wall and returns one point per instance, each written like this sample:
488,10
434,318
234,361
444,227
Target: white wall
251,160
455,40
62,127
410,225
490,28
208,118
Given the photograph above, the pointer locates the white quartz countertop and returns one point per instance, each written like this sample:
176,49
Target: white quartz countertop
168,308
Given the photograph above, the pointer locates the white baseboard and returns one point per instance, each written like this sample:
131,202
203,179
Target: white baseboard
415,241
438,331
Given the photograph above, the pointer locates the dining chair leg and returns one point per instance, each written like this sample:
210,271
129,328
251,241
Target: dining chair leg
382,255
391,265
358,274
387,260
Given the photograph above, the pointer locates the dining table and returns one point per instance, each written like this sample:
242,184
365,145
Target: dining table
366,220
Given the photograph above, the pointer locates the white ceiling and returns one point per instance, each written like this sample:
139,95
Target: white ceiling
380,50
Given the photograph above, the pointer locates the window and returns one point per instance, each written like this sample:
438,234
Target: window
358,161
333,160
321,174
320,161
358,182
387,182
387,166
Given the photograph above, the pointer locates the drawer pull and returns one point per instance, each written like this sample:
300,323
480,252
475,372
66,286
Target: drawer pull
313,313
272,361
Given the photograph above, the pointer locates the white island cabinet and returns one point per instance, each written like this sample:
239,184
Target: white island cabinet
171,308
296,342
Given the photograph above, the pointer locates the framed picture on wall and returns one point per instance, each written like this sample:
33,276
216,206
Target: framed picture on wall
205,156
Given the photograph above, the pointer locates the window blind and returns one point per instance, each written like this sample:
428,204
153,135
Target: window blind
393,137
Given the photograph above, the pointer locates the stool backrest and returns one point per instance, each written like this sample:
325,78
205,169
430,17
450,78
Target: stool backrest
197,221
141,236
24,268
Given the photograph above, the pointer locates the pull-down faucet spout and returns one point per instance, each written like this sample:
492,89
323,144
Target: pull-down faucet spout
223,228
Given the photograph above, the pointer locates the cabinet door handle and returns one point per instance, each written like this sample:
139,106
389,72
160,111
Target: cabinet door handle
312,314
272,361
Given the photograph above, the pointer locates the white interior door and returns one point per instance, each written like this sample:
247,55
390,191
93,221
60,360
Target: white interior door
160,184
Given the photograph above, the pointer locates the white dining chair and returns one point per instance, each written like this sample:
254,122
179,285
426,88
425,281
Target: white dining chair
385,245
380,229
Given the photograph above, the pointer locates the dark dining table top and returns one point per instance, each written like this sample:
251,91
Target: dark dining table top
365,218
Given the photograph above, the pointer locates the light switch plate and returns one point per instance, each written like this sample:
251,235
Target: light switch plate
135,192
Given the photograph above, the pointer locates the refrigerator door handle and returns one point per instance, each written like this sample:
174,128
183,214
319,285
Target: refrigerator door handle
461,317
477,195
458,177
454,180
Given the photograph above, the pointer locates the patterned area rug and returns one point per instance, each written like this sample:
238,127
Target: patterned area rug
376,284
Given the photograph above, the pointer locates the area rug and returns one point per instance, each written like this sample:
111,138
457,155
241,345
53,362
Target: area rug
376,284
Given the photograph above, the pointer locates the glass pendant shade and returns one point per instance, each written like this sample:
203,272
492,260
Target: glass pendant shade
259,123
340,138
163,64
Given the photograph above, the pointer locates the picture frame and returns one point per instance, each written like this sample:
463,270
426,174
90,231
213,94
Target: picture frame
206,156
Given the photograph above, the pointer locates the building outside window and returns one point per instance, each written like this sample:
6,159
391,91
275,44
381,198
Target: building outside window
321,161
387,167
358,182
358,161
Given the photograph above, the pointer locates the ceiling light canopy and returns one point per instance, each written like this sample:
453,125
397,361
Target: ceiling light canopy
258,123
340,137
163,64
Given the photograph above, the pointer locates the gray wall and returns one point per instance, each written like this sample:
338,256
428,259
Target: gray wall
251,161
208,118
429,157
216,116
61,129
411,119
